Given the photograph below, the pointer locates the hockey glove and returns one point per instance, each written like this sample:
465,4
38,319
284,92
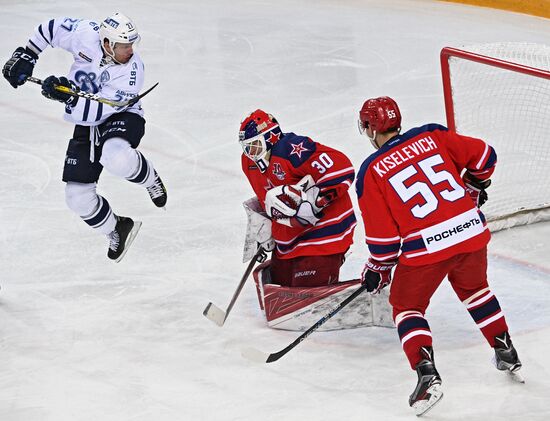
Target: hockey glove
19,66
476,188
49,91
377,275
282,202
310,210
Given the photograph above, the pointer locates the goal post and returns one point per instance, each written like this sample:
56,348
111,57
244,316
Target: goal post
501,93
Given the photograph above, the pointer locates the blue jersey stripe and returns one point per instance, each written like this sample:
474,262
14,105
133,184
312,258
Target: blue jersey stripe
99,112
50,28
43,36
322,232
35,46
491,161
379,249
413,245
86,110
336,181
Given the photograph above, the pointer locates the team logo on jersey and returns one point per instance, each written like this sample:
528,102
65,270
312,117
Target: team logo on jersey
298,149
105,76
86,81
278,171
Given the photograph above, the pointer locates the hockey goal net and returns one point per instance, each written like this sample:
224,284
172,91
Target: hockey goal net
501,94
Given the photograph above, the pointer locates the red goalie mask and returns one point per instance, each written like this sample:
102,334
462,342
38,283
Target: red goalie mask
257,135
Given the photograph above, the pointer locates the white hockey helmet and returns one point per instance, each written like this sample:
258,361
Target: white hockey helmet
118,28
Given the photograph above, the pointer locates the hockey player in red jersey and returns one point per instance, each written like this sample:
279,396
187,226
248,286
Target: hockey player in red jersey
302,186
419,196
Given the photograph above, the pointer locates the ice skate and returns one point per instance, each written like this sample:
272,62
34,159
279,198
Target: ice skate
506,357
428,390
157,192
122,237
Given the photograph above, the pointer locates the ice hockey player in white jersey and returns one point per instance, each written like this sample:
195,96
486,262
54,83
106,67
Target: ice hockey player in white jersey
105,63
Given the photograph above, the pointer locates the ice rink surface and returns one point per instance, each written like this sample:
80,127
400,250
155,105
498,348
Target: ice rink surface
82,338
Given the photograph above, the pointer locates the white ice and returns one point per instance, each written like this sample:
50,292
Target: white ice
85,339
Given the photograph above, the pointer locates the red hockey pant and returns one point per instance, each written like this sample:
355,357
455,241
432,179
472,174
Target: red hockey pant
413,287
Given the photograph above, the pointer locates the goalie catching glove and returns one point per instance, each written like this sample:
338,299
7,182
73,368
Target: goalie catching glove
377,275
476,188
295,205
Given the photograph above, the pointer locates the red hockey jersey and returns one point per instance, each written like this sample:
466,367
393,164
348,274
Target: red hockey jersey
412,197
292,158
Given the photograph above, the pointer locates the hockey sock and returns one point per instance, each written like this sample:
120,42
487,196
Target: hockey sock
484,308
414,333
103,218
144,173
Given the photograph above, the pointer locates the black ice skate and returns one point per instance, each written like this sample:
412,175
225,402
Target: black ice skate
121,238
428,389
157,192
506,357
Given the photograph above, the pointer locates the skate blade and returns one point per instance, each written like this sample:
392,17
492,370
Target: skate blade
421,407
516,376
512,372
130,240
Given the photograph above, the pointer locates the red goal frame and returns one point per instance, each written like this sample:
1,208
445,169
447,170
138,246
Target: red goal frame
448,52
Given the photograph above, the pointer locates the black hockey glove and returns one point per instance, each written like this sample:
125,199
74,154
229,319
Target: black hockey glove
49,91
19,66
476,188
377,275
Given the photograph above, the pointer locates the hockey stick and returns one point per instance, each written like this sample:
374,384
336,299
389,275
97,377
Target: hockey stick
216,314
263,357
95,97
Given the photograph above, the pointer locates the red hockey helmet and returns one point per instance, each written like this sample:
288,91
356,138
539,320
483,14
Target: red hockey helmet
381,114
257,135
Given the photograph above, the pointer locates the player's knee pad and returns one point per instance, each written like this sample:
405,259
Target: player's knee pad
119,158
81,198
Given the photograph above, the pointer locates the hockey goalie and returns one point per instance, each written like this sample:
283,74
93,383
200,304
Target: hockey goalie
303,215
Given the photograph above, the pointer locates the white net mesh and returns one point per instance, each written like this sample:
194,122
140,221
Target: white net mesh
511,111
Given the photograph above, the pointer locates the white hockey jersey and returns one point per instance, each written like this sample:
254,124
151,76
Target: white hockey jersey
89,71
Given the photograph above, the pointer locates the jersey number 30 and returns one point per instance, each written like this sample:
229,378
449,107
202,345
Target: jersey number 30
323,163
427,165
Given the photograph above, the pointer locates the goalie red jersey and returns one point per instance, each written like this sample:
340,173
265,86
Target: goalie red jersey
293,157
413,199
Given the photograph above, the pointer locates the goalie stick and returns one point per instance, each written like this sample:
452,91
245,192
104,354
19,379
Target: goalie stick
262,357
216,314
96,97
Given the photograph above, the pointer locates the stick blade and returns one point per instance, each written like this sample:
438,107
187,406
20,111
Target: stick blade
215,314
255,355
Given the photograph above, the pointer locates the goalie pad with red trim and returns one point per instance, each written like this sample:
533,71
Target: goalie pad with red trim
297,308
